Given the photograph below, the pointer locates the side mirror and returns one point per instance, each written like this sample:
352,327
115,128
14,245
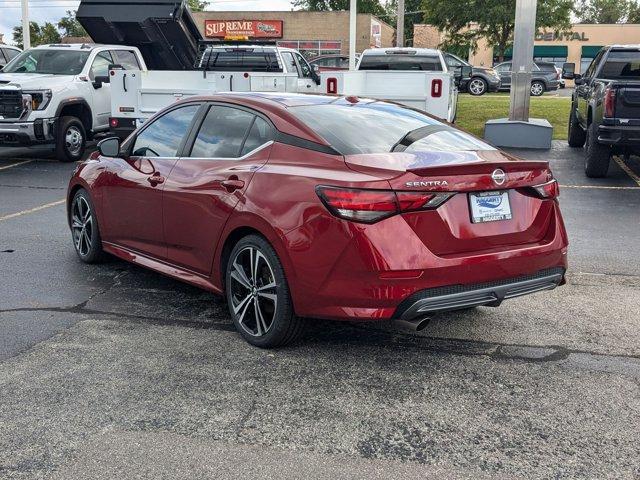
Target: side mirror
109,147
577,79
99,80
569,71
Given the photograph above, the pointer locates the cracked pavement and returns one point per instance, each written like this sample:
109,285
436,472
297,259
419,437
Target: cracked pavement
113,371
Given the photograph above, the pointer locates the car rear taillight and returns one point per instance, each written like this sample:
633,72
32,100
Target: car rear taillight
547,190
609,102
436,88
370,206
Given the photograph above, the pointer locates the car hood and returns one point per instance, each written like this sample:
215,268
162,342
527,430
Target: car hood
33,80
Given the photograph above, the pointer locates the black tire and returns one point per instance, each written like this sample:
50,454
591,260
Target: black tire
243,294
576,135
477,86
597,156
71,139
537,88
84,229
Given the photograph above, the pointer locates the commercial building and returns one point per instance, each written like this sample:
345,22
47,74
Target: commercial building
579,44
313,33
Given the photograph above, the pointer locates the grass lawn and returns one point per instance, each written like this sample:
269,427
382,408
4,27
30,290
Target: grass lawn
473,112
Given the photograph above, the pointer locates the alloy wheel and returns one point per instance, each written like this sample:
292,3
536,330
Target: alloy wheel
254,292
537,89
476,86
73,140
82,225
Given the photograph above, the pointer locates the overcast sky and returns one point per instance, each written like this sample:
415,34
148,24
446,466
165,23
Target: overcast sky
52,10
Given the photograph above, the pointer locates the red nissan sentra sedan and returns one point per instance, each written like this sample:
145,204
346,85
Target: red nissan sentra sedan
298,206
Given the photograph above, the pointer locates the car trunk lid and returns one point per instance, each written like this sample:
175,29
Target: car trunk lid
450,229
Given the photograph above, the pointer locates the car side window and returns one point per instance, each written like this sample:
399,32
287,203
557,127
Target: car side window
591,71
100,65
304,66
10,53
290,63
261,132
3,56
222,133
343,62
162,137
452,61
127,59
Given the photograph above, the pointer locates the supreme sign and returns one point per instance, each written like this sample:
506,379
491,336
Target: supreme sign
248,28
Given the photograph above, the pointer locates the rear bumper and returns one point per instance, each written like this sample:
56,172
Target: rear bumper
490,294
624,136
40,131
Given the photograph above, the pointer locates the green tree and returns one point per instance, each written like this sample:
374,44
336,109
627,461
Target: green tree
197,5
468,21
49,34
634,13
34,31
412,14
71,27
603,11
364,6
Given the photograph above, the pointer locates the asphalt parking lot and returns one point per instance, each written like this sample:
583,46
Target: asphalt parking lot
112,371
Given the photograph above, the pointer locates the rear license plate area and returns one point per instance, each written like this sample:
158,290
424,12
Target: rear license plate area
490,206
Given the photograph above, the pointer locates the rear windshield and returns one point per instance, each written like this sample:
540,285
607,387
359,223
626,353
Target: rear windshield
377,127
622,65
240,59
430,63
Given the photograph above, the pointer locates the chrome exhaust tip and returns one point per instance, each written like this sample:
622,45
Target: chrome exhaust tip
415,325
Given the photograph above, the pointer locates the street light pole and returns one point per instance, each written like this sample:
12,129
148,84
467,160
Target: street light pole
353,17
400,25
26,31
522,62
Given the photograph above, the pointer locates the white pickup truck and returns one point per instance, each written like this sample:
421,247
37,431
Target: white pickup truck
60,95
137,95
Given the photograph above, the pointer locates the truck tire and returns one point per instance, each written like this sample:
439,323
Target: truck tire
597,156
71,139
576,135
477,86
537,88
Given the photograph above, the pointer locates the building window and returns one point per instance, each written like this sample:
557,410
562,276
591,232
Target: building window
313,48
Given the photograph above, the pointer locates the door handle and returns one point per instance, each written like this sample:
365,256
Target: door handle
232,184
155,179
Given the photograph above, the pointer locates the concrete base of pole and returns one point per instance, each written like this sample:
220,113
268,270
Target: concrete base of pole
502,132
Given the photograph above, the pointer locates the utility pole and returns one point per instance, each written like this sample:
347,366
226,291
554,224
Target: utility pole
26,31
353,17
400,25
522,62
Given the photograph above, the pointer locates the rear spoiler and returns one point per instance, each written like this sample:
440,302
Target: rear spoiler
164,30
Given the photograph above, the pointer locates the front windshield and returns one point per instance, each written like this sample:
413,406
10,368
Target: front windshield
49,61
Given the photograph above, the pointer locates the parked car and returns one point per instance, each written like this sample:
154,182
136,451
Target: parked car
308,206
330,63
541,81
7,52
60,95
605,107
482,79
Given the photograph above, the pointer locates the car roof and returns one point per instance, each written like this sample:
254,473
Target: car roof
2,45
396,50
77,46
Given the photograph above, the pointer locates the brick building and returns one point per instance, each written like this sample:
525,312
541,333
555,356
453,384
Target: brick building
313,33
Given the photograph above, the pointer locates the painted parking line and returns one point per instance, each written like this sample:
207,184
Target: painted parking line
32,210
600,187
16,164
621,163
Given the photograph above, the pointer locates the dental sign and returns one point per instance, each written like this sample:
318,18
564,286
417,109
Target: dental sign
243,28
559,36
